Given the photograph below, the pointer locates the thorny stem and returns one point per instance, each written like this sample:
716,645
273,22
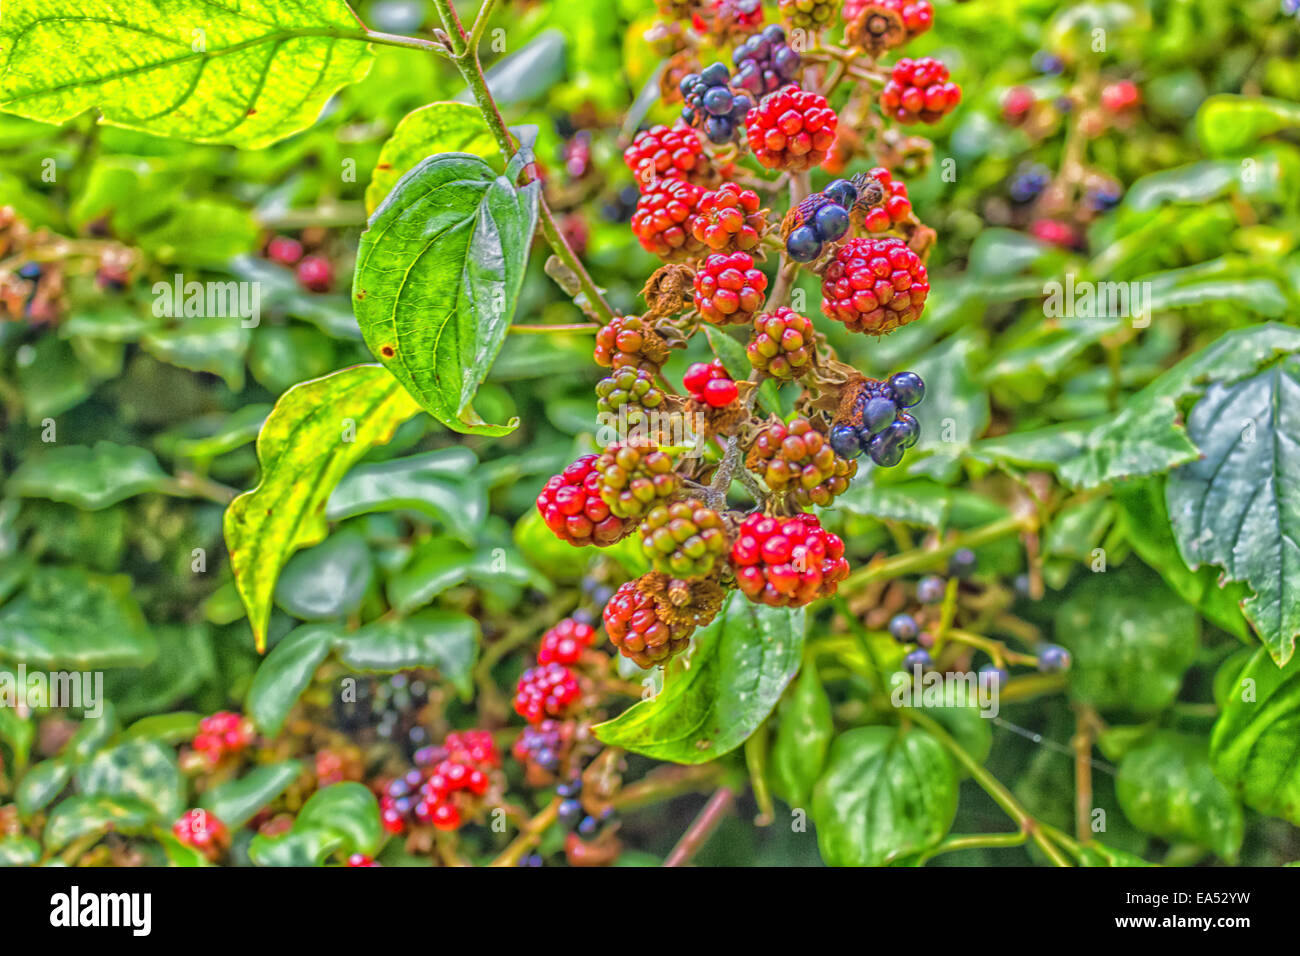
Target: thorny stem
702,827
465,56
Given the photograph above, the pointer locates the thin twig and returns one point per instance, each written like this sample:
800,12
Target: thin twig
702,827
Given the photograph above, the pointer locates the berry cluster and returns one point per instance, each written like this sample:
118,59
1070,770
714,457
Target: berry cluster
222,734
729,289
543,748
919,91
684,539
874,286
630,388
662,219
884,24
782,345
765,62
876,423
572,508
811,15
638,625
709,384
547,690
664,153
204,832
796,459
635,478
712,106
729,219
817,220
787,563
445,786
629,341
792,129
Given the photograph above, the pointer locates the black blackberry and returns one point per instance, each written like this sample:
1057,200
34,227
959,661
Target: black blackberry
712,106
883,430
766,62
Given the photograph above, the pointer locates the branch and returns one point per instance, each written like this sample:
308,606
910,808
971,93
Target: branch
698,833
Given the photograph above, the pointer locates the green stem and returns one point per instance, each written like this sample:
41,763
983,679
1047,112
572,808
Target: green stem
973,841
924,559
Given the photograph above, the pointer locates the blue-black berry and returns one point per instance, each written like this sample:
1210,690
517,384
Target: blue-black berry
802,245
918,658
831,222
842,193
930,589
844,441
712,106
877,413
908,388
903,628
1028,182
766,62
993,677
569,813
962,563
1053,659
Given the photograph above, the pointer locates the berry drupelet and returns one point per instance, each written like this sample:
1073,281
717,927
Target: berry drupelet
896,208
729,290
787,562
633,388
712,106
919,91
729,219
202,831
572,508
876,422
874,286
709,384
811,15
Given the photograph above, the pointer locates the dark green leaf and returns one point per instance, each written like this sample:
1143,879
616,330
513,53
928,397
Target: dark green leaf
286,672
78,817
444,640
236,802
327,581
141,769
438,485
88,477
802,738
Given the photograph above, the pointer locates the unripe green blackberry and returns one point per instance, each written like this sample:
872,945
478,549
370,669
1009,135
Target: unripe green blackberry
635,478
797,459
685,539
782,344
634,387
808,14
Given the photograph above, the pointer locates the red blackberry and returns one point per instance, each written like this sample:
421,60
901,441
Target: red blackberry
564,643
1120,97
662,219
709,384
896,209
728,289
635,624
787,562
634,479
782,344
629,341
202,831
360,859
791,129
664,153
874,286
548,690
570,505
729,219
796,459
765,62
914,17
284,250
222,734
315,274
1016,104
919,91
684,539
475,747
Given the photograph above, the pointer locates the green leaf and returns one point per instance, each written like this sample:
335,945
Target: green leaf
67,618
1254,743
1227,124
309,847
955,411
81,816
236,802
802,738
19,733
184,663
329,580
438,275
245,74
429,131
42,783
1239,505
445,640
1166,787
1145,520
142,769
348,809
316,431
213,345
19,851
886,795
1146,437
285,674
1096,854
88,477
720,691
174,728
923,503
1131,638
438,485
